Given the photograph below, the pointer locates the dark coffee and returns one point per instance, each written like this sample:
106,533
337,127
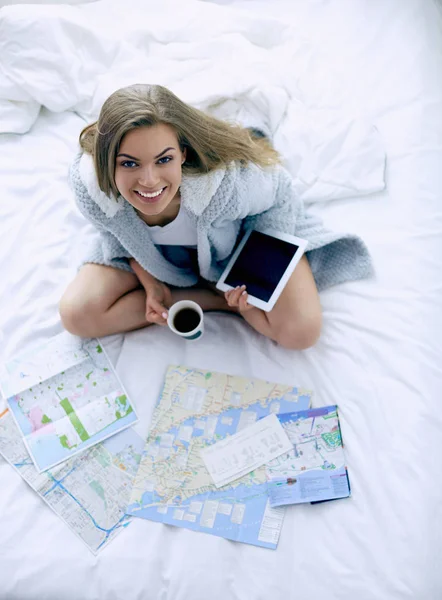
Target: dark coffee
186,320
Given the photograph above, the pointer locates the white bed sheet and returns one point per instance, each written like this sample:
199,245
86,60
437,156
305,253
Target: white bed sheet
378,357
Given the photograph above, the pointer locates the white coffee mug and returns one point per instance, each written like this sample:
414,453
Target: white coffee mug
186,319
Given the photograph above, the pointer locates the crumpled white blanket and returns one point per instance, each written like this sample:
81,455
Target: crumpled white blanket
242,67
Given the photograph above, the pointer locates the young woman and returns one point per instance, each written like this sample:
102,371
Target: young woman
171,189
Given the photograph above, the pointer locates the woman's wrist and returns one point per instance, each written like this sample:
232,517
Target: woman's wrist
145,278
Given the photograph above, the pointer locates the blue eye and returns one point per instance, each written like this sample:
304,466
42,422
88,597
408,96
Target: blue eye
127,164
165,160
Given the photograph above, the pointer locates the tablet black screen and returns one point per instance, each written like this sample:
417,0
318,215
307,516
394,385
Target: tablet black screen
261,264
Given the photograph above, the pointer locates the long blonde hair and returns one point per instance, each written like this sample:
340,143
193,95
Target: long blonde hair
209,142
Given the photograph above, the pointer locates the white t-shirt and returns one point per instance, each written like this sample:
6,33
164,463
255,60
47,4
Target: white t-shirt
180,232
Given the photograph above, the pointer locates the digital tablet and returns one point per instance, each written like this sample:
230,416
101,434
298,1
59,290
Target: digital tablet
263,262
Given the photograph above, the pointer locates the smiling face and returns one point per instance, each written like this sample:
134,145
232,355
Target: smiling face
148,172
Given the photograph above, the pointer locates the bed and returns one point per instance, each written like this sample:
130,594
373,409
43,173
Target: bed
351,93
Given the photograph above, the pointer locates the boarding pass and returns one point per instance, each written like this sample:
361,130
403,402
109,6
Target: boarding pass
245,451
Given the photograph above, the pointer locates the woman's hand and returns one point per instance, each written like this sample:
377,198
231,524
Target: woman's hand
237,298
158,300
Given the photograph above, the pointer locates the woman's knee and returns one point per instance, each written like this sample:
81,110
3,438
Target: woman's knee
79,316
90,295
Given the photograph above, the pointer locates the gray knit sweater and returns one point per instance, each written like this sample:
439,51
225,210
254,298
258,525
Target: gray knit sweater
221,204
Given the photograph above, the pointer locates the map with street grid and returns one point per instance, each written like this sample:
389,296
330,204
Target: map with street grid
196,409
90,491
